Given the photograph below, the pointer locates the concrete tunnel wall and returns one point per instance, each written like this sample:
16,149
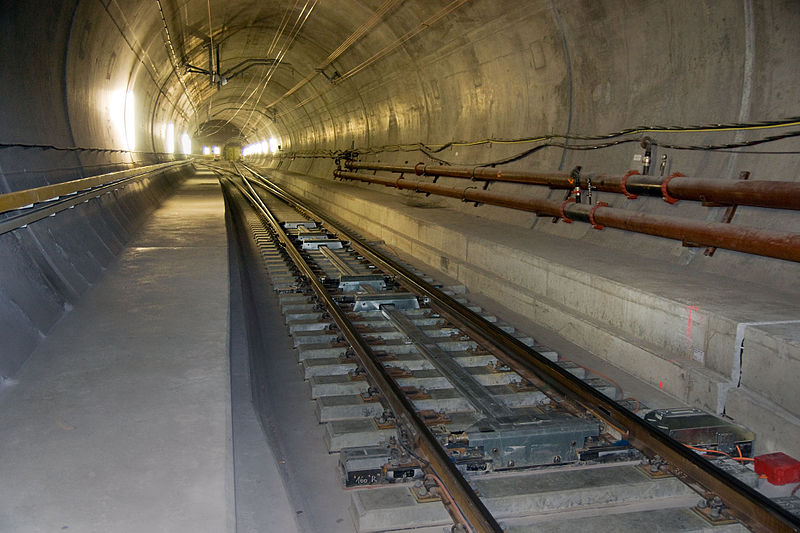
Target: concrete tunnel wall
486,69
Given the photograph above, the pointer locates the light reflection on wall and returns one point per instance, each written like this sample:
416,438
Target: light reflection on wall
186,144
130,121
262,147
169,141
121,112
116,115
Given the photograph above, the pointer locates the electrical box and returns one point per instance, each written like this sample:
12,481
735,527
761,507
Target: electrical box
703,430
552,440
779,468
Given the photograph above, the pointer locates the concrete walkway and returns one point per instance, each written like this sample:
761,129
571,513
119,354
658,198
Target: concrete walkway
121,421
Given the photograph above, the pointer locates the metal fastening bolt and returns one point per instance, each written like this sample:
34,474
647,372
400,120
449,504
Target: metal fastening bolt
717,507
655,464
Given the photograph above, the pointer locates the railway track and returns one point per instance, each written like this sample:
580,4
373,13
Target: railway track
446,419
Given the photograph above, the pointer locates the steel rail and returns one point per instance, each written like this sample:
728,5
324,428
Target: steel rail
420,436
767,243
758,193
462,380
59,203
336,261
746,504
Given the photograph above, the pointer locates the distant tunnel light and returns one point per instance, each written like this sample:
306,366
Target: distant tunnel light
169,142
216,150
254,148
261,147
186,144
206,150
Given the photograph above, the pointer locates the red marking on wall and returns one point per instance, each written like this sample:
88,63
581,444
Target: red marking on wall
689,323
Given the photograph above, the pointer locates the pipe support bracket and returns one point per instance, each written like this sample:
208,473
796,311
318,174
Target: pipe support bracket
665,193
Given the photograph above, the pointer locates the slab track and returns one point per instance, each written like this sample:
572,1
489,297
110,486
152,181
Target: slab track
441,402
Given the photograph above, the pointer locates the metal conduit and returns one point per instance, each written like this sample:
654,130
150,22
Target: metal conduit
758,193
780,245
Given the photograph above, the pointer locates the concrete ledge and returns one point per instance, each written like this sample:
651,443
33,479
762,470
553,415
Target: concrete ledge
775,427
770,357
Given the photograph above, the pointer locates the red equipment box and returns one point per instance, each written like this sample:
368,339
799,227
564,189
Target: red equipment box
779,468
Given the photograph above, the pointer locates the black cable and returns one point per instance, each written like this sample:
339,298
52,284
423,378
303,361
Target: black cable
78,149
547,141
61,148
627,131
424,150
728,147
754,142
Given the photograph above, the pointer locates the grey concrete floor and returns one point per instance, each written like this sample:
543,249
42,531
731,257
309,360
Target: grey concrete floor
287,414
120,421
262,504
296,438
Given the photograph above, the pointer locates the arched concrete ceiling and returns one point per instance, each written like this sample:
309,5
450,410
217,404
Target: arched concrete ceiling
395,71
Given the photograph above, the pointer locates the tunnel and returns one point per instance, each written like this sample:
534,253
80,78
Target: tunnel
616,181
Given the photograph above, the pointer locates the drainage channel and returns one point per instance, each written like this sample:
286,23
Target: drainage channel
432,429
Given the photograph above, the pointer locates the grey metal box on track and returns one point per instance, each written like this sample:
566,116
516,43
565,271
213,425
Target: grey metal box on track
547,441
